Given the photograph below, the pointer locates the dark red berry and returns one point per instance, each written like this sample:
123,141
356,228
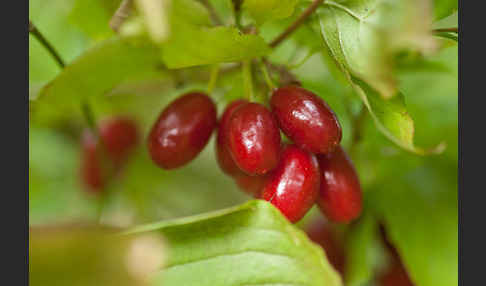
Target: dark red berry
182,130
294,185
93,172
225,161
306,119
340,192
120,136
321,233
254,139
252,185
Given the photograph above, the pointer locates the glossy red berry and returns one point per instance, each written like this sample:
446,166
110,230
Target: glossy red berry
252,185
306,119
120,137
321,233
254,139
182,130
340,192
294,185
93,171
225,161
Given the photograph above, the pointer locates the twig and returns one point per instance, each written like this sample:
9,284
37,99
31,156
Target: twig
312,7
450,30
38,35
212,13
237,11
121,14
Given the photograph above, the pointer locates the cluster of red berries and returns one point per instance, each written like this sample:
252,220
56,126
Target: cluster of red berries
314,169
104,155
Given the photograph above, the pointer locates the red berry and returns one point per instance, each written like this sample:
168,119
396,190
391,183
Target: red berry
182,130
252,185
321,233
254,139
294,185
120,136
306,119
226,163
93,173
340,193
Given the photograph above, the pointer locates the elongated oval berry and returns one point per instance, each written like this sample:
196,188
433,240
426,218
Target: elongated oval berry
225,161
254,139
294,185
340,192
182,130
306,119
93,172
120,136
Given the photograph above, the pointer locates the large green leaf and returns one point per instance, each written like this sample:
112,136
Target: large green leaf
252,244
268,10
95,74
364,35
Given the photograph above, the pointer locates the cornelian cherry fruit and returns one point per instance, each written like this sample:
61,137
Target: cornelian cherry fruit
94,173
223,156
182,130
254,139
120,137
294,185
306,119
340,192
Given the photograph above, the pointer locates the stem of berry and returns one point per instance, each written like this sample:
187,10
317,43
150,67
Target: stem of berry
212,13
247,80
38,35
312,7
213,78
266,76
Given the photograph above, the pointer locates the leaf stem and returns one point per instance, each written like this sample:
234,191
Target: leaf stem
121,14
266,76
213,78
312,7
38,35
247,80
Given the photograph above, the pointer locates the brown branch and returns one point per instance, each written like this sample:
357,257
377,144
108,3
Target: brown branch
312,7
212,13
450,30
121,14
38,35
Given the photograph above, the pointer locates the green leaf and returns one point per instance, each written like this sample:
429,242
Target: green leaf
252,244
444,8
391,118
192,41
448,35
91,255
364,35
268,10
92,17
420,215
93,75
